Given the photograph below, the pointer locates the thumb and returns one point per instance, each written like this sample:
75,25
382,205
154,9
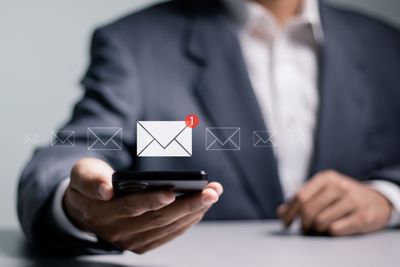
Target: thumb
92,178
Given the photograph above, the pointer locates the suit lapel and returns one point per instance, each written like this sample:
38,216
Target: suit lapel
344,101
224,91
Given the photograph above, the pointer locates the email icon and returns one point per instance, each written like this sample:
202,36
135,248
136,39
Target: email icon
264,139
31,138
163,139
295,139
62,138
223,138
104,138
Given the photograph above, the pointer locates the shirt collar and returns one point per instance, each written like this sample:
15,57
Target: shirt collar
247,13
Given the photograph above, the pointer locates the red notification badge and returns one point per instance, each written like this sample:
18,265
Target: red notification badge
192,121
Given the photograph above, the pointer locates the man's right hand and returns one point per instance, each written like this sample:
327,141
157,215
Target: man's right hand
138,222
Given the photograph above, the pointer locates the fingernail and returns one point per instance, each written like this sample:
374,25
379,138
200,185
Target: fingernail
103,192
166,198
208,201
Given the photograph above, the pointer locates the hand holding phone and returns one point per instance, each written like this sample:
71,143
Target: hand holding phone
137,222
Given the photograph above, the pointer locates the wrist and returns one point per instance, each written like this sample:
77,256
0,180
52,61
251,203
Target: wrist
63,221
391,192
70,212
384,205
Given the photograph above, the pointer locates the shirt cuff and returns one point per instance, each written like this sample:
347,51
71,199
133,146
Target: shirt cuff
61,218
392,193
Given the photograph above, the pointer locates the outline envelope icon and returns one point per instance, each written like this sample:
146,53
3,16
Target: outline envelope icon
63,138
163,139
264,139
223,138
31,139
104,138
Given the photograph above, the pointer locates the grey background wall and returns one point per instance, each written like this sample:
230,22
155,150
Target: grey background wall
43,54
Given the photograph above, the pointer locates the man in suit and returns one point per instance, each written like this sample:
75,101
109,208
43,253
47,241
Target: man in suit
324,80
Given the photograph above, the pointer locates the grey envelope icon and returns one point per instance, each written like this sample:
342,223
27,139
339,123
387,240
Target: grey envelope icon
31,138
62,138
223,138
104,138
264,139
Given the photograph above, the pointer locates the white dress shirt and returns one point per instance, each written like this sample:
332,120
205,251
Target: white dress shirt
282,66
283,69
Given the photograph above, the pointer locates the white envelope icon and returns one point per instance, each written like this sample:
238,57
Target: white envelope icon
63,138
163,139
296,139
265,139
104,138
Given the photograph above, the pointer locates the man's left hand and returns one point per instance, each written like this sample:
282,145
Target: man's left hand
332,203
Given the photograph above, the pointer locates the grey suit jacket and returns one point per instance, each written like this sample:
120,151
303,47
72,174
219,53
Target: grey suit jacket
183,57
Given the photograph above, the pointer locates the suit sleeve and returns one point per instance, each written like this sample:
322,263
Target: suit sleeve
112,98
390,174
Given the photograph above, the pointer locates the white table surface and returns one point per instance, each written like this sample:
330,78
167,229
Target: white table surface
253,244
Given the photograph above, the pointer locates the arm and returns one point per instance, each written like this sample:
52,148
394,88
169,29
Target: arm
111,99
335,204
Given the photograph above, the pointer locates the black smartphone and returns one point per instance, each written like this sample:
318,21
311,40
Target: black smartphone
181,182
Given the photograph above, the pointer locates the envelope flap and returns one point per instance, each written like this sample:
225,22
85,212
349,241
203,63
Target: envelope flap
63,136
263,136
223,134
104,135
164,132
